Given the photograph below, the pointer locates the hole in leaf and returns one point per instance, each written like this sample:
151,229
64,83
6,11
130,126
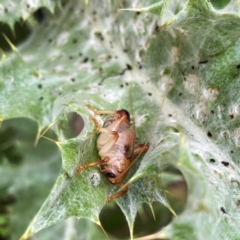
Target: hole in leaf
113,221
10,150
219,3
18,34
40,15
146,224
176,187
72,126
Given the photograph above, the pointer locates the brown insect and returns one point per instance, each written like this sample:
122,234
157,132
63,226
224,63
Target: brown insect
116,146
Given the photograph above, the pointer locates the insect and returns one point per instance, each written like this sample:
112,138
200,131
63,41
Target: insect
116,146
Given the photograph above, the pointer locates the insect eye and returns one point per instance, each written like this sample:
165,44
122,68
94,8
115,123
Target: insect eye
110,175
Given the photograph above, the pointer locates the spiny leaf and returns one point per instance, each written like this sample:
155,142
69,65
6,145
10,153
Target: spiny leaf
11,11
192,50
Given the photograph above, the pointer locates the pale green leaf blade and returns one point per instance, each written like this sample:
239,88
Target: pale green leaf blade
13,11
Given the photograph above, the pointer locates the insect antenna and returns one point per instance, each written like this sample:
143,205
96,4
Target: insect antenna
131,106
162,103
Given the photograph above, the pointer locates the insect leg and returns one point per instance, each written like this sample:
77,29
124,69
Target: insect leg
101,129
110,140
88,165
140,148
99,112
116,195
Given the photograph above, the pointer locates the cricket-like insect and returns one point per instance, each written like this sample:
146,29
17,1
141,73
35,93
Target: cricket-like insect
116,146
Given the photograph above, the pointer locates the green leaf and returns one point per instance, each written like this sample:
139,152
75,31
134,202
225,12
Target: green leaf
104,57
27,182
11,11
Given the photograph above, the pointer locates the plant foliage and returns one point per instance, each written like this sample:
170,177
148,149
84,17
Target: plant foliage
96,54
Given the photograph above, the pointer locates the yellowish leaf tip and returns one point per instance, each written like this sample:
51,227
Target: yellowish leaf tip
152,210
131,9
50,125
10,43
37,137
51,140
26,235
3,54
100,225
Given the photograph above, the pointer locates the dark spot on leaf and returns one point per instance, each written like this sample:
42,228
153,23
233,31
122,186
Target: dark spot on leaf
126,84
129,67
99,36
156,30
73,79
40,86
92,60
125,50
223,210
212,112
49,40
138,13
193,67
170,115
226,164
209,134
203,62
109,57
231,151
5,10
27,5
149,94
212,160
70,57
85,60
80,54
74,40
100,69
139,65
238,66
180,94
41,98
66,175
231,116
121,85
94,13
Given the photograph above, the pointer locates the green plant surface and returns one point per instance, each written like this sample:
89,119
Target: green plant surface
118,54
11,11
